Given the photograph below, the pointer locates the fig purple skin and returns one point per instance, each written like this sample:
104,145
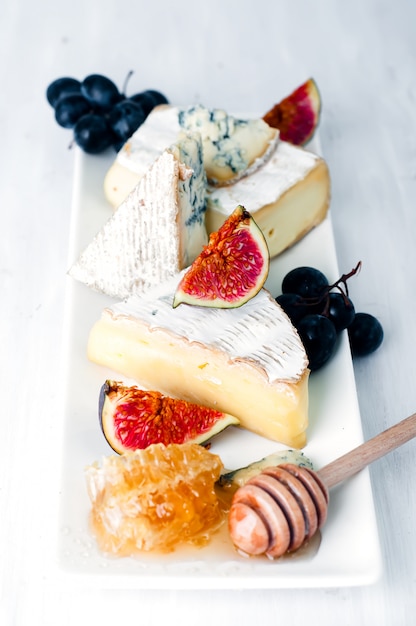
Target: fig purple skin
297,116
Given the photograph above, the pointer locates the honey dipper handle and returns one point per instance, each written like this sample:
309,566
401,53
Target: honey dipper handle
351,463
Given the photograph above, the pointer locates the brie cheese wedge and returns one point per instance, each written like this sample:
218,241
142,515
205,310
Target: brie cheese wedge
248,361
157,231
287,197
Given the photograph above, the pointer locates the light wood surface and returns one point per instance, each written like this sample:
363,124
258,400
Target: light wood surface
375,448
242,56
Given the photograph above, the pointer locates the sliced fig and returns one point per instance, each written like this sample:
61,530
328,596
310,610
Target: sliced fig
297,115
231,269
132,419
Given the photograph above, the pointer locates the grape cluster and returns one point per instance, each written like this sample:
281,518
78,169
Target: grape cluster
320,311
100,115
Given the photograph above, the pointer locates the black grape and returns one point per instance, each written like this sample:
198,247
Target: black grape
111,117
125,118
320,312
319,337
70,109
145,100
340,310
62,87
365,334
157,96
100,91
307,282
295,306
92,134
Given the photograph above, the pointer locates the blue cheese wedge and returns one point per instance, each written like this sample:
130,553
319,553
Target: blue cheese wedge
288,196
248,361
232,148
157,231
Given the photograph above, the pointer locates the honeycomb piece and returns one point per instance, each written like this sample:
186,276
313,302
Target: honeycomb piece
154,499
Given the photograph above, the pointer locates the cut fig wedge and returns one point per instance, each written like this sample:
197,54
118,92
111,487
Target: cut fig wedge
231,269
297,116
133,419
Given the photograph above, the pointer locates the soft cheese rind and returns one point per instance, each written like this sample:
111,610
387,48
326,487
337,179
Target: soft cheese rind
157,231
248,361
158,132
287,197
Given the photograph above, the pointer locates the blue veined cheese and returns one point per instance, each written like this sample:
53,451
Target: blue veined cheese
158,230
287,196
232,148
191,197
248,361
240,476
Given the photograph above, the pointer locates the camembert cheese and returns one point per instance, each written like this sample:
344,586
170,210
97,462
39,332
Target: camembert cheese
247,361
287,197
157,231
232,148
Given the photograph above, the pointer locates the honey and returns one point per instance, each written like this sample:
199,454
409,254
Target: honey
155,499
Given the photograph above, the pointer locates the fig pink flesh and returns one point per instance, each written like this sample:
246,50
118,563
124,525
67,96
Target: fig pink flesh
231,269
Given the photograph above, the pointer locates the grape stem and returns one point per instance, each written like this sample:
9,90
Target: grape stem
343,279
126,80
336,285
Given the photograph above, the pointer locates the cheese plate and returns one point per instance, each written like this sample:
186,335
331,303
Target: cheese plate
346,552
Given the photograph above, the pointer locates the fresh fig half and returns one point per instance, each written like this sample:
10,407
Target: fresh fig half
297,115
132,419
231,269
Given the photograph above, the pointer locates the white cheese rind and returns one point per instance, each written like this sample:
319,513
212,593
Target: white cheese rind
248,362
287,197
159,131
287,166
158,230
258,333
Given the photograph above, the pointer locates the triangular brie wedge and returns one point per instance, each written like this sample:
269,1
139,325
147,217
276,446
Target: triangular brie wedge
249,361
288,196
157,231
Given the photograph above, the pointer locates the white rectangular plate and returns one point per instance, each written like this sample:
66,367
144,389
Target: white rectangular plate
347,552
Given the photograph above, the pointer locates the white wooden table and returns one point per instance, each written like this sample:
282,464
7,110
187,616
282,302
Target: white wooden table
240,56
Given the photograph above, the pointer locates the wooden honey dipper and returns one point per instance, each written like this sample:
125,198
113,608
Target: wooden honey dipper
282,507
